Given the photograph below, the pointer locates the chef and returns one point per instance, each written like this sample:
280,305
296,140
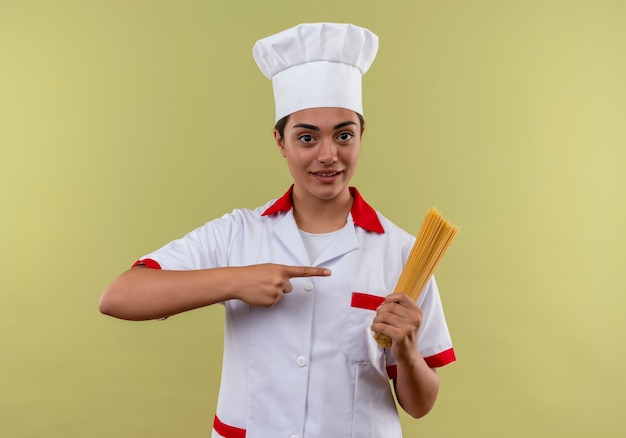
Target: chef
306,279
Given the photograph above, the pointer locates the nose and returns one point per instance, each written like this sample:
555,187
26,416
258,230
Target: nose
327,152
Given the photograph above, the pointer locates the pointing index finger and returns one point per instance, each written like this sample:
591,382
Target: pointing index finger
306,271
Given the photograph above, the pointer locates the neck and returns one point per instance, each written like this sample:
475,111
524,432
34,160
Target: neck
318,216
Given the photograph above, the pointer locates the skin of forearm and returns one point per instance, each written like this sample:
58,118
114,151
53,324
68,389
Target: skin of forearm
416,386
143,293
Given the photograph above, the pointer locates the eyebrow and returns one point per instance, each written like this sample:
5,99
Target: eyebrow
316,128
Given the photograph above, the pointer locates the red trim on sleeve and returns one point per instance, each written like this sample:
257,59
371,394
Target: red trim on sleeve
440,359
366,301
148,263
228,431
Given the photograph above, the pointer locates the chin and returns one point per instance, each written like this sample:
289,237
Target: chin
329,193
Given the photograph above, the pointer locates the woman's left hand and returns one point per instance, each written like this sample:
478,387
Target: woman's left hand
399,318
416,384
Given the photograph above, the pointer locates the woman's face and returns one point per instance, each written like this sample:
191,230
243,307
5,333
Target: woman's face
322,147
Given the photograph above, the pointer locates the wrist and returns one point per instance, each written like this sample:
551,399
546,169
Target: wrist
408,357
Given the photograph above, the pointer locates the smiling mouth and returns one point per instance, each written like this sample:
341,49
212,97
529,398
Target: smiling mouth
326,174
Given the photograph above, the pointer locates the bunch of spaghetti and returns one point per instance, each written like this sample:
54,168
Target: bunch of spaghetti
431,243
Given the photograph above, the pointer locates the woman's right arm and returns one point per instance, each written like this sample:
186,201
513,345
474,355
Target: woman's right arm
143,293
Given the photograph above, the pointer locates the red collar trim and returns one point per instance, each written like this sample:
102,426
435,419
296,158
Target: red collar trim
363,214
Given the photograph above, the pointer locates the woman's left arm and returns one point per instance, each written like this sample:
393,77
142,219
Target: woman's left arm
416,384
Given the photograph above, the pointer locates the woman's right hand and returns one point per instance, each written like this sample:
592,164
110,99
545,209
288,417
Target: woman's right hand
143,293
266,284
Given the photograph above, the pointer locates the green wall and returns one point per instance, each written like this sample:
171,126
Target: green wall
124,124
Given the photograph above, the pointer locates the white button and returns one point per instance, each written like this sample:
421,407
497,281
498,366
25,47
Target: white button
308,286
301,361
293,436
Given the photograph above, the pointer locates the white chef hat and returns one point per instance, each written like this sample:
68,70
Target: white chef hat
315,65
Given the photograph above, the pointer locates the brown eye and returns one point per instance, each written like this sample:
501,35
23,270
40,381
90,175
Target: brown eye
306,138
345,136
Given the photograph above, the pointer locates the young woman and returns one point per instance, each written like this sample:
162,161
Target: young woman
305,278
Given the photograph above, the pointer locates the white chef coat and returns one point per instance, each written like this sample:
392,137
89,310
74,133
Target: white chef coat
309,366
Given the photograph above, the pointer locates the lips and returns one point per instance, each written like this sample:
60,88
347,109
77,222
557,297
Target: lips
327,176
326,173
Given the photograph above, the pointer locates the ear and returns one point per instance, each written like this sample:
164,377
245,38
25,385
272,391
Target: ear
279,142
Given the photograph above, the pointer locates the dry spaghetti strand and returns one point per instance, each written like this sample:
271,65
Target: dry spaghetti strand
433,240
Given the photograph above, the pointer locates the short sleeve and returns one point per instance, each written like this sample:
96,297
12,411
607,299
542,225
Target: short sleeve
205,247
434,342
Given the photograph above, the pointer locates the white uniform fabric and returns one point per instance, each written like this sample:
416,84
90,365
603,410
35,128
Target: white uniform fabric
309,366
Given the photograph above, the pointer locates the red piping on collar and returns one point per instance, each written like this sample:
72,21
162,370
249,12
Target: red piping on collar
363,214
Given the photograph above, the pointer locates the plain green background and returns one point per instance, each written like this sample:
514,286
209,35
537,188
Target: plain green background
125,124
